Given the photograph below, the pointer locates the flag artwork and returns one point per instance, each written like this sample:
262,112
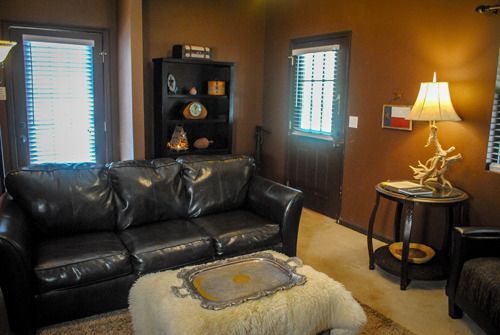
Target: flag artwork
393,117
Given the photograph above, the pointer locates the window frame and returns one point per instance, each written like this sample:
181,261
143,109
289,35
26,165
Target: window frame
494,129
338,121
19,146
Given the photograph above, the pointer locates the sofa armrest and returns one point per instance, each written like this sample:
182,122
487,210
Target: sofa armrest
15,265
479,233
280,204
468,243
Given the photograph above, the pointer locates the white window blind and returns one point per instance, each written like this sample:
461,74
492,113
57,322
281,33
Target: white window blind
59,83
493,156
316,90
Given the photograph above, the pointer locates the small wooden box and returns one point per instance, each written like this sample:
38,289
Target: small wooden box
216,87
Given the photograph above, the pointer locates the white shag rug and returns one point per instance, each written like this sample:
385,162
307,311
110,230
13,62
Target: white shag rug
320,304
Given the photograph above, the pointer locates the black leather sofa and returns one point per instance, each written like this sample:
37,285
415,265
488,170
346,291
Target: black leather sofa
474,283
75,237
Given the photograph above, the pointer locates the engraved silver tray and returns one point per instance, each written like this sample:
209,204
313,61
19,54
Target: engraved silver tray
233,281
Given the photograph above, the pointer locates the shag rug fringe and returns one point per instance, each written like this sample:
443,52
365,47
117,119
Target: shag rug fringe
120,323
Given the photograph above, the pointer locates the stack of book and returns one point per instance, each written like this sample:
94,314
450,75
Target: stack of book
407,187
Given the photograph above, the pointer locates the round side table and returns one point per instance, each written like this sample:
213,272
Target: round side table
435,269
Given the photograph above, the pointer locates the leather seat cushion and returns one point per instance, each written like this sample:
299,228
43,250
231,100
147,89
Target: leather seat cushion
166,245
216,183
147,191
64,199
78,260
480,284
239,230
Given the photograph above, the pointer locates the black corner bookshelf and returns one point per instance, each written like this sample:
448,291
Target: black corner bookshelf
168,106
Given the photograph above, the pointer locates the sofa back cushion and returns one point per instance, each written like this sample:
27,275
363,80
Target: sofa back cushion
147,191
215,183
64,198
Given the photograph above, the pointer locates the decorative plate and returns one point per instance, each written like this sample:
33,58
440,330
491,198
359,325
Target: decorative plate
233,281
171,84
418,253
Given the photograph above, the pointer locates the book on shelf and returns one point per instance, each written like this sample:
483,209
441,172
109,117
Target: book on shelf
407,187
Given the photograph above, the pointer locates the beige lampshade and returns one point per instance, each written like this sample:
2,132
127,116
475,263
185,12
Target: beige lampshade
433,103
5,47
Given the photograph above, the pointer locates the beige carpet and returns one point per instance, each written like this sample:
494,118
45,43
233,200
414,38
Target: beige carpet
118,323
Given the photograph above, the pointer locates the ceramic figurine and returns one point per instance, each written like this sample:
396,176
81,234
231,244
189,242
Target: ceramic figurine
179,140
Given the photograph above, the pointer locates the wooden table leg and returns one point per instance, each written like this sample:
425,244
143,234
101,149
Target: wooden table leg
370,232
397,222
450,223
460,219
406,245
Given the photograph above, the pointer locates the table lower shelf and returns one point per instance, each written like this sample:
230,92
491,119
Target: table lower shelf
435,269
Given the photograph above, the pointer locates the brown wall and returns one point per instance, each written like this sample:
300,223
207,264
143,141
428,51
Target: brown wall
235,31
395,46
81,13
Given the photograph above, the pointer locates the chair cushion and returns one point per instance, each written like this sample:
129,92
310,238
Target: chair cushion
147,191
239,230
64,199
480,284
79,260
165,245
216,183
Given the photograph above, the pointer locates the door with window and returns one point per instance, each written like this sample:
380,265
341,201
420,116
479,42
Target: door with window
318,100
59,102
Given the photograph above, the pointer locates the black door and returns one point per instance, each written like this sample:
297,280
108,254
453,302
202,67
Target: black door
315,167
318,91
59,106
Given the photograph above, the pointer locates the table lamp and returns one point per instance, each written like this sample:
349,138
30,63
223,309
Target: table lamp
434,104
5,47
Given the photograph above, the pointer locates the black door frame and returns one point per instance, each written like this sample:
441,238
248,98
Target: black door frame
9,30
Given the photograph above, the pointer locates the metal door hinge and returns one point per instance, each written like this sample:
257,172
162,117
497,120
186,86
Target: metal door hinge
105,127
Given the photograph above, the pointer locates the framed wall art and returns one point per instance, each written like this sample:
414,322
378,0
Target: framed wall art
393,117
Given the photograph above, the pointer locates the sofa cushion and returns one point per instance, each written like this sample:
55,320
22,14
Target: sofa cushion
165,245
479,284
239,231
147,191
78,260
216,183
65,198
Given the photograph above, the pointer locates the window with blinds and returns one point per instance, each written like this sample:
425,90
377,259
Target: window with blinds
59,83
493,156
316,95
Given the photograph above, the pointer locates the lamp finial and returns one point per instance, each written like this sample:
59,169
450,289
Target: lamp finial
434,77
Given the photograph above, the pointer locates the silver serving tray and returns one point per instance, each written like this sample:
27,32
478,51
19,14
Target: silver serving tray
233,281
